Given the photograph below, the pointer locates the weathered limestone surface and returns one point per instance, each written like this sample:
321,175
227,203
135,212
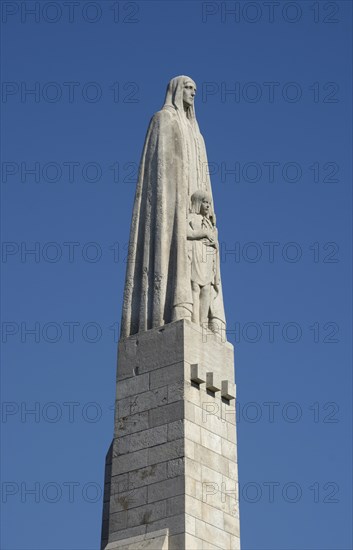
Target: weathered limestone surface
171,476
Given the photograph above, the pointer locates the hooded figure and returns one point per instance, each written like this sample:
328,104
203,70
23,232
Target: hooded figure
173,166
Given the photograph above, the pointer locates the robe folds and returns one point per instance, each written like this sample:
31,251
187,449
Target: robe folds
158,275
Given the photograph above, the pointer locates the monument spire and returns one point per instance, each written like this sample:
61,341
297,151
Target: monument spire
171,477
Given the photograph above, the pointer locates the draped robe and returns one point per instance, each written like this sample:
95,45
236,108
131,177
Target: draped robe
173,165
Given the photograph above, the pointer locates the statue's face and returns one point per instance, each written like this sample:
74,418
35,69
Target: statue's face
205,207
189,92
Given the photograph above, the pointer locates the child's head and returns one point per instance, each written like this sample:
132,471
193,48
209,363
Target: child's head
201,203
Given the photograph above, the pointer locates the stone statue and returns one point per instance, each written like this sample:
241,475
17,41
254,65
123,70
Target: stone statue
159,288
203,252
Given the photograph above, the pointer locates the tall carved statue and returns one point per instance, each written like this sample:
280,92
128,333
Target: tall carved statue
173,229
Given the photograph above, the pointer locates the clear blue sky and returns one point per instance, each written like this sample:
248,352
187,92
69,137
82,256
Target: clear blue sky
273,103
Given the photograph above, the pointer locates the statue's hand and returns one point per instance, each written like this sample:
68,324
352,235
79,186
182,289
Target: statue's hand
209,235
211,242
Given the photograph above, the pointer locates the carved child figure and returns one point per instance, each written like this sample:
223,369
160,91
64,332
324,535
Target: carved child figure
203,252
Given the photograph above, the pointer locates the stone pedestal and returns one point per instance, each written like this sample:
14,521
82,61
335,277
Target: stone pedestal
171,473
